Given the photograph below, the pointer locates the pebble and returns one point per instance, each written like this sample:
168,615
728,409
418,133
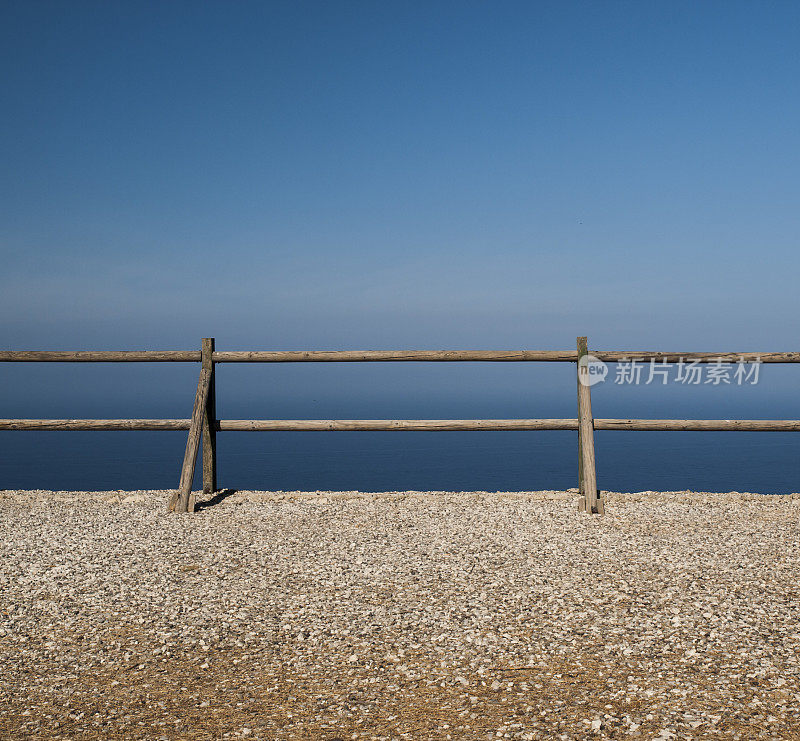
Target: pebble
283,615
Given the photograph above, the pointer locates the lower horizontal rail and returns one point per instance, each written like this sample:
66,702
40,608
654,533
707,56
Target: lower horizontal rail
432,425
700,425
287,425
94,424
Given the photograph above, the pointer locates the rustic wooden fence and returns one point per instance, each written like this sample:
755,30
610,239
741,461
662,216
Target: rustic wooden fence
204,424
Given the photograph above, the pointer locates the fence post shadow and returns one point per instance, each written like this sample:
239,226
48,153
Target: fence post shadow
219,497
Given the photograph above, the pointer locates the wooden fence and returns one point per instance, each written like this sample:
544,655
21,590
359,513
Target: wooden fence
204,424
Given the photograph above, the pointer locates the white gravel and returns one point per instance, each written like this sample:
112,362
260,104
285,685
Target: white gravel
404,615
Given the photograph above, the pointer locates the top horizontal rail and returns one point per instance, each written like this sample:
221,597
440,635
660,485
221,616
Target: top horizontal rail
616,356
609,356
100,356
356,356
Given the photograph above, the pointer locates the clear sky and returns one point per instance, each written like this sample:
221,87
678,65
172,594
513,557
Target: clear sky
400,174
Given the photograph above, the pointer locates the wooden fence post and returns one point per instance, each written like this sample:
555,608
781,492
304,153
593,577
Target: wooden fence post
590,500
209,421
182,499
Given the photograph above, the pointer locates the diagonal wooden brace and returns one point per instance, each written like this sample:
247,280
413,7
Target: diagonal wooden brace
182,499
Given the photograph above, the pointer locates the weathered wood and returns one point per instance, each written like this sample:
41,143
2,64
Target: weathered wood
99,356
312,425
700,425
288,425
616,356
590,502
582,350
358,356
94,424
296,356
209,421
182,500
204,424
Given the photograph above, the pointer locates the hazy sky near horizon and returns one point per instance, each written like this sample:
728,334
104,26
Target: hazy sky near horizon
394,175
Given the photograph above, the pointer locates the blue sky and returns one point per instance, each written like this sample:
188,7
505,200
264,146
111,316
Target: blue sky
394,175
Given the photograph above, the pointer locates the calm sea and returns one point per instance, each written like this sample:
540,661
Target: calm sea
390,461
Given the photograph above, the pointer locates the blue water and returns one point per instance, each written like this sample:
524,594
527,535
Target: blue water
390,461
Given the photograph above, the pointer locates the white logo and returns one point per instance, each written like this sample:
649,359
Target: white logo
591,370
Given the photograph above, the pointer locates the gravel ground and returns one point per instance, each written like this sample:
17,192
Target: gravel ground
406,615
